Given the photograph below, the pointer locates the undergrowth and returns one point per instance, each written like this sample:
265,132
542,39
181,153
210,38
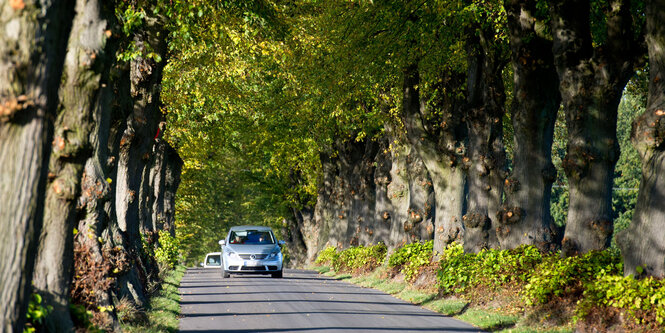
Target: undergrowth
163,309
507,289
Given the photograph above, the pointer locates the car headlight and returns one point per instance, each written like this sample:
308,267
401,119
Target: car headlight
230,253
274,254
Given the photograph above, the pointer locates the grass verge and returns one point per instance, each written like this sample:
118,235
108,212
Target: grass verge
489,318
163,308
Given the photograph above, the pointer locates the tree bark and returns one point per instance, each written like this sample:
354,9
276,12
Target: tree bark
525,217
135,155
642,243
32,43
298,236
87,58
439,150
591,84
485,159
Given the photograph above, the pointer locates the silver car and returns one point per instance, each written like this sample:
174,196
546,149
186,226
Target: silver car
250,249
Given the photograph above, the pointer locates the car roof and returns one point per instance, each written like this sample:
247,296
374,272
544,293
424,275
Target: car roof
250,227
214,253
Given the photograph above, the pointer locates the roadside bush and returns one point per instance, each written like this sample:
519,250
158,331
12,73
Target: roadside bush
168,251
327,256
569,276
489,268
643,300
360,258
455,272
410,258
497,267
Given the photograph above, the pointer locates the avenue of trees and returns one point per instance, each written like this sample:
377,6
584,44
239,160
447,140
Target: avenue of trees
354,122
483,122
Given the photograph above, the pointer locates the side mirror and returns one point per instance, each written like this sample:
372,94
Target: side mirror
201,264
222,242
281,242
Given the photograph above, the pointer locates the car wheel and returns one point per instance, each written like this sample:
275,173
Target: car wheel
277,275
225,275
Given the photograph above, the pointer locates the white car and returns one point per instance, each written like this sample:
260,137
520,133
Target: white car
213,260
251,249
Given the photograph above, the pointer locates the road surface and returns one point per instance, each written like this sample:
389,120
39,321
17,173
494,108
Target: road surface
303,301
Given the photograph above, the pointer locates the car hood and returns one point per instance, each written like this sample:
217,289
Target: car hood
258,248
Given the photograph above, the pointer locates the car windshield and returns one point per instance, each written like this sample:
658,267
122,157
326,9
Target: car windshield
252,237
213,260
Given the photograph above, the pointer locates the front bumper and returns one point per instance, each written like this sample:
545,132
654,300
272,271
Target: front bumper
238,265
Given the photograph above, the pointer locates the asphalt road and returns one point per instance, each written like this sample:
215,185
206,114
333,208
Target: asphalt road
303,301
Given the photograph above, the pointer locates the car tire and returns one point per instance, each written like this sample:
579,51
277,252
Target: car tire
225,275
277,275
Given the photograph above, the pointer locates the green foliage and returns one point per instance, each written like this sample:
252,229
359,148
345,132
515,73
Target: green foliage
454,274
36,313
498,267
410,258
490,268
327,256
168,251
131,18
359,258
82,317
164,308
562,277
628,172
147,249
643,299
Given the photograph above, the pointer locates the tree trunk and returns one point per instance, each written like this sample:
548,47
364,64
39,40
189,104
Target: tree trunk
87,58
438,151
298,236
135,155
101,252
31,49
171,181
642,243
591,84
485,155
525,217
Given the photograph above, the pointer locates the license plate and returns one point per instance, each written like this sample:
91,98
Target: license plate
252,263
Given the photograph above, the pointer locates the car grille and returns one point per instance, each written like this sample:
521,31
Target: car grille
233,268
253,268
259,256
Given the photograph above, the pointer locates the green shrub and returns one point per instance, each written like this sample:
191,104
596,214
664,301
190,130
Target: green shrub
360,258
561,277
36,313
327,256
410,258
498,267
644,299
490,268
168,251
455,272
82,318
